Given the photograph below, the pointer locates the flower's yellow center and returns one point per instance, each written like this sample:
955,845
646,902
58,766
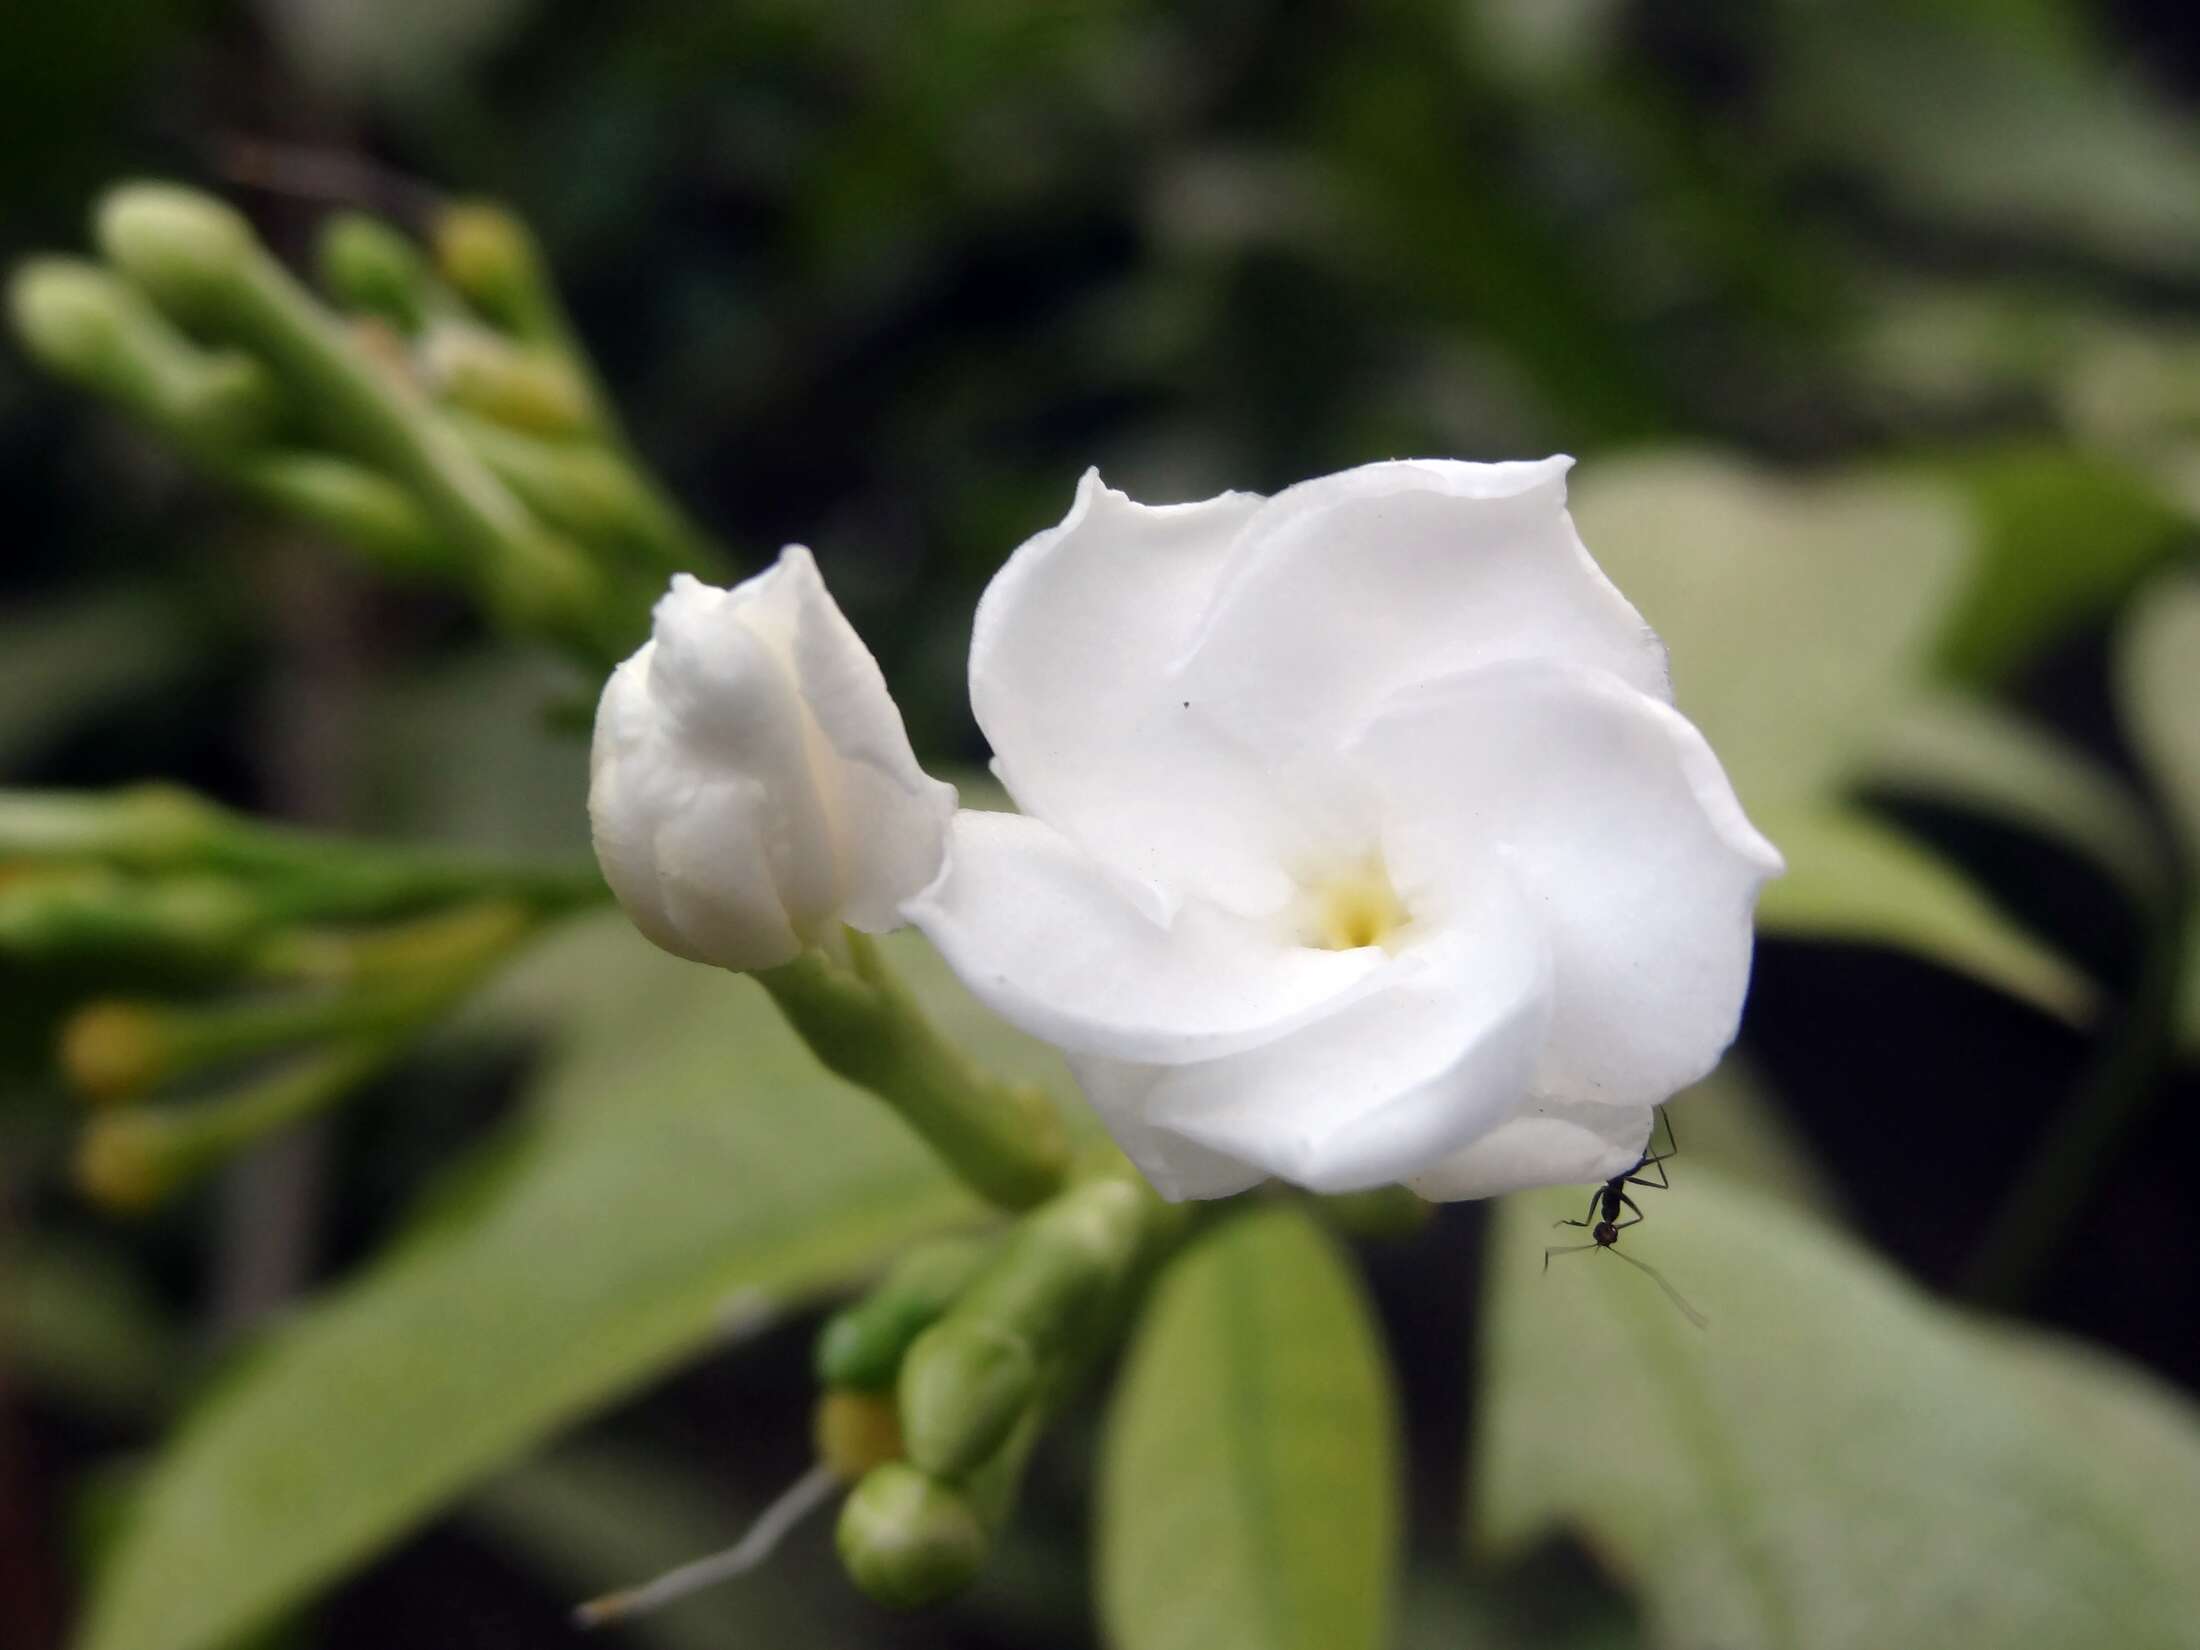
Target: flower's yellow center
1352,907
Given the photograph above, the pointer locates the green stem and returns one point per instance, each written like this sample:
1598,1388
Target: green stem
1004,1139
2080,1145
161,828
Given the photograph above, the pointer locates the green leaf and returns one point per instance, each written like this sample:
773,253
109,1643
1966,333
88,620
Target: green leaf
1957,750
1851,878
1249,1493
2158,683
1837,1460
2065,536
688,1170
1798,613
66,661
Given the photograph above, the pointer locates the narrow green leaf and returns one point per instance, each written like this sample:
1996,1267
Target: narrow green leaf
1838,1461
1966,752
2158,682
1850,878
1249,1495
687,1171
2065,535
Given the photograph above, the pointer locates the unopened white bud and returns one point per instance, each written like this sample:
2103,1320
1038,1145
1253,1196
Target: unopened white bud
751,784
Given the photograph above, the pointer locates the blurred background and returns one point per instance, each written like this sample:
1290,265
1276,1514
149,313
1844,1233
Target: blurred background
1873,328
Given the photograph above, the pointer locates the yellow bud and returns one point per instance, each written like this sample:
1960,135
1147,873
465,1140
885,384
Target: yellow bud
483,251
113,1050
856,1431
123,1161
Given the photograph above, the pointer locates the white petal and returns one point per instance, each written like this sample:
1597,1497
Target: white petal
1436,1057
1548,1143
727,706
1069,662
1343,590
1056,944
889,816
1175,1167
1614,818
681,850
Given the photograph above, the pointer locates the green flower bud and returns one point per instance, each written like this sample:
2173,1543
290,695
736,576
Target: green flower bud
185,248
862,1347
908,1540
488,255
963,1387
367,265
68,314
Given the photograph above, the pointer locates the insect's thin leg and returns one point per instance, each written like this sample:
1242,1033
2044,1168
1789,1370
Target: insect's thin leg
1674,1295
1632,1204
1619,1226
1672,1145
1569,1223
1564,1249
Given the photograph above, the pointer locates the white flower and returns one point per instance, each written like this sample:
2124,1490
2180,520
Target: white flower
1360,840
751,786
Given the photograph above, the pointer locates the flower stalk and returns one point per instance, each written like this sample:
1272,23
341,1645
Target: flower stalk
1004,1139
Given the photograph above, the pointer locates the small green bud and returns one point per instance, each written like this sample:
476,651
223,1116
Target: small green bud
908,1540
69,314
862,1346
488,255
521,388
367,265
963,1387
184,247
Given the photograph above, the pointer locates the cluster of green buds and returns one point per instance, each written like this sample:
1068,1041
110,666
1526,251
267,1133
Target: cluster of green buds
434,413
212,978
937,1382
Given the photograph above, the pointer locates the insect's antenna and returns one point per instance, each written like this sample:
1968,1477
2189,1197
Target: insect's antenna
1564,1249
801,1498
1674,1295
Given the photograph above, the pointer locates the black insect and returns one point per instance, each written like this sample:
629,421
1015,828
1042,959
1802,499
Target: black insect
1604,1223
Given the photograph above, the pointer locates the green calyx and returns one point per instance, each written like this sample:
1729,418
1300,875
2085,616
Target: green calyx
909,1540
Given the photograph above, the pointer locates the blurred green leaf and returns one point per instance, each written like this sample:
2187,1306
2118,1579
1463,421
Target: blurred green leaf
1964,752
61,662
688,1170
2158,681
1838,1461
1733,1121
1798,613
1249,1493
1852,878
2065,535
77,1325
2011,130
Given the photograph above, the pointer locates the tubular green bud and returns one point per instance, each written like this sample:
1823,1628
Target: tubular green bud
67,312
185,248
908,1540
486,253
86,325
964,1386
367,265
350,502
862,1346
524,389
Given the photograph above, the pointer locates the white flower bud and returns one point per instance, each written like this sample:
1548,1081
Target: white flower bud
751,786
